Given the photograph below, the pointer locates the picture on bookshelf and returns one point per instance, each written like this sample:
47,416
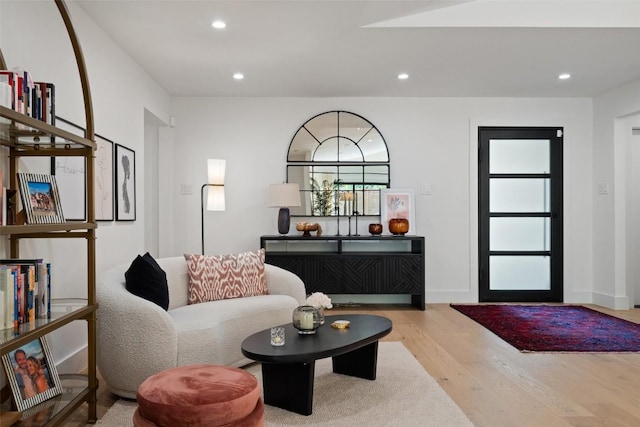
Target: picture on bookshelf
125,184
40,198
70,176
103,183
32,374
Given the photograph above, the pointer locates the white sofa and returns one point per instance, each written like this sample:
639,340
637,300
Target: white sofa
136,338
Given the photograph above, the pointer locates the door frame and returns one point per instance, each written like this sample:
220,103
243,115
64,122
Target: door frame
555,136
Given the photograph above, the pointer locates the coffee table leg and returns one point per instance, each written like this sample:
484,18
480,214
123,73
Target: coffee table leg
289,386
361,362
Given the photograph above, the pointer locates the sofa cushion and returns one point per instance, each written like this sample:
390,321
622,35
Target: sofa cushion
147,280
218,277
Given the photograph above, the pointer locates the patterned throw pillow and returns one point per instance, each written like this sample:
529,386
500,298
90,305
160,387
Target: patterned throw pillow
213,278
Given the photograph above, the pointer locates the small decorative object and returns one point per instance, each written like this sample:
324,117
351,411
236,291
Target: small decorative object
306,319
307,227
31,373
398,226
375,229
340,324
40,198
277,336
320,301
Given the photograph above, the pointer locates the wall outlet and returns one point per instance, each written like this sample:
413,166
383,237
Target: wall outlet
426,189
186,189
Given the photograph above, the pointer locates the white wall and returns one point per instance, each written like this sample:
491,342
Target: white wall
612,127
431,141
33,37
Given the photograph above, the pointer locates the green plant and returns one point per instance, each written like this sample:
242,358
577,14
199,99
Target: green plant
322,196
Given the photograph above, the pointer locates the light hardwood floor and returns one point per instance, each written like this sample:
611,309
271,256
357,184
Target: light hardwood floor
495,384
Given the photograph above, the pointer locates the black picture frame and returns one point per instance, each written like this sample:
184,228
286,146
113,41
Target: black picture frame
125,167
34,378
103,184
70,173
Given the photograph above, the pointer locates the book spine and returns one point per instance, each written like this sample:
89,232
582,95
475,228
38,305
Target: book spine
48,290
41,306
16,324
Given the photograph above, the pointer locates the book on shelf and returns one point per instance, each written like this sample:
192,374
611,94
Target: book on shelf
34,99
8,297
32,288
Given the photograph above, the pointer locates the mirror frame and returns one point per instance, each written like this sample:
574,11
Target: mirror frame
330,198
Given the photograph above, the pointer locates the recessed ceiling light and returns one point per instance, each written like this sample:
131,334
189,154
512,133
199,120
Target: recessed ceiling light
218,24
564,76
238,76
403,76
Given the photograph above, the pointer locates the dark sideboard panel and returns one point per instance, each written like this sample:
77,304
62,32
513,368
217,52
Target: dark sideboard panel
353,265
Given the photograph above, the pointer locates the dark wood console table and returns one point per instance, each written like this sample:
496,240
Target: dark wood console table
353,264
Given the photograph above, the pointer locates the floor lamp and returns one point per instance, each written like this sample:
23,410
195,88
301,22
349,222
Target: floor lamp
215,192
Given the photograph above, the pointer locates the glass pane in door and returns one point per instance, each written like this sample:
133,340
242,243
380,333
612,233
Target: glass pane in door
519,234
519,195
519,156
519,272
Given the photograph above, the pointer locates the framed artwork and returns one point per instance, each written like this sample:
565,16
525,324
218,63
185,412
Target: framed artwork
70,177
103,185
32,374
40,198
397,203
125,183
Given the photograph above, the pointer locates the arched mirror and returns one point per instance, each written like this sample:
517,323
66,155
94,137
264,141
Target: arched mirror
341,162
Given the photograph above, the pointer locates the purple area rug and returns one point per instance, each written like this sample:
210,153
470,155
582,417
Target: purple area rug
561,328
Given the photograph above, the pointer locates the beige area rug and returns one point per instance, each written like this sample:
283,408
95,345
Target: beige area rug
403,394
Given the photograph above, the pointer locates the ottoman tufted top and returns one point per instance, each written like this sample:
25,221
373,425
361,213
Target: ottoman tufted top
198,395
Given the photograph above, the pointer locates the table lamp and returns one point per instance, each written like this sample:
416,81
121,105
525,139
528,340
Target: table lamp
284,196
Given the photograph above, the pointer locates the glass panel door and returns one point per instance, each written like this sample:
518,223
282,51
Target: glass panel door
520,213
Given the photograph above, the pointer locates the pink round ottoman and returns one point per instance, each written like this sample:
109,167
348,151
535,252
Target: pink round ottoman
199,395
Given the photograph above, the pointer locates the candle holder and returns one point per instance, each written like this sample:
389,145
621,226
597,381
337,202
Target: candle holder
306,319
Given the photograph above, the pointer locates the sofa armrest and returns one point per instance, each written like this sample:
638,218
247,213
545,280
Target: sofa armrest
135,337
284,282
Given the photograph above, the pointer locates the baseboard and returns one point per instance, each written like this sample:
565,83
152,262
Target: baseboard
74,363
610,301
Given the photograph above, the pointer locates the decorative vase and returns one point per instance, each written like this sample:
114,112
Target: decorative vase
398,226
306,319
375,229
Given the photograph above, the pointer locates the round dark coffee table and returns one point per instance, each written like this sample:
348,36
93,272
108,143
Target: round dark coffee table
288,371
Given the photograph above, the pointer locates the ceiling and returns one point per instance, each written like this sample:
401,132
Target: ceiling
340,48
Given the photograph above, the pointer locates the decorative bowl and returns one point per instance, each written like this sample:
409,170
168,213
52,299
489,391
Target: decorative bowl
375,229
398,226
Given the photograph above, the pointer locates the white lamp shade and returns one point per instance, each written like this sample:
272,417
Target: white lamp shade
283,195
216,171
215,198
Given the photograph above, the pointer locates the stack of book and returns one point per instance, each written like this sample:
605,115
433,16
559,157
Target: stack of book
25,291
20,93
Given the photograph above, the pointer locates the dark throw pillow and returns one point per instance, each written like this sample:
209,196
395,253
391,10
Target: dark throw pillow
147,280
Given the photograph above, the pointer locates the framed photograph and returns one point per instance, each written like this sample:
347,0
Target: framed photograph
32,374
40,198
125,184
395,203
70,177
103,185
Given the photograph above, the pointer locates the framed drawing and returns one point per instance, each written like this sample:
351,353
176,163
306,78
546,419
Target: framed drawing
125,184
70,177
32,374
40,198
103,185
397,203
